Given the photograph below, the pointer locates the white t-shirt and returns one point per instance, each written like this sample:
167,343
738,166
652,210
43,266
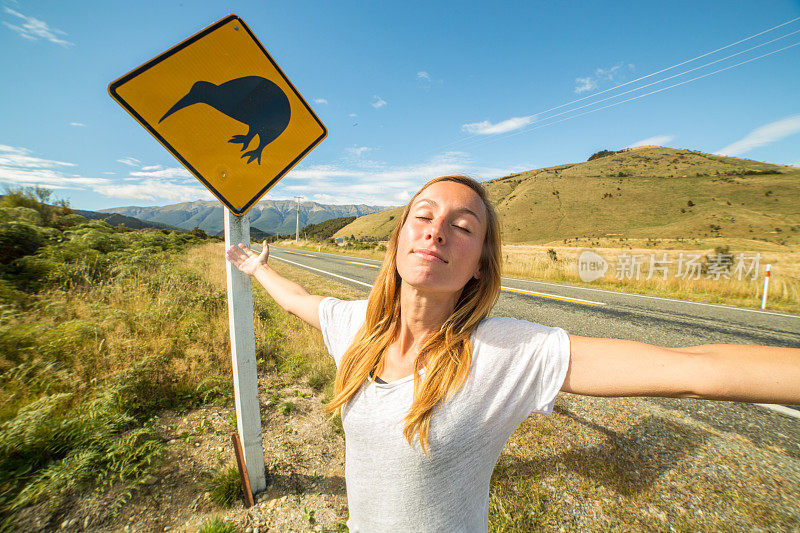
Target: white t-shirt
517,369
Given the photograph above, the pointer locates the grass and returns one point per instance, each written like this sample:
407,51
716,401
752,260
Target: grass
217,525
100,330
225,487
365,250
87,368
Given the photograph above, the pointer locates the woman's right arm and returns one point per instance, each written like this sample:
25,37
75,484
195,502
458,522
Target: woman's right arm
288,294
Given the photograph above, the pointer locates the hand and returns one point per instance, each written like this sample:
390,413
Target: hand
246,260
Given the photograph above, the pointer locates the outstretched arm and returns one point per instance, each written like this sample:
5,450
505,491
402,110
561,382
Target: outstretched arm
288,294
612,367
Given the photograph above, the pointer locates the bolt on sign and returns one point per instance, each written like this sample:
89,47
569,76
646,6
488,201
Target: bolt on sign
223,107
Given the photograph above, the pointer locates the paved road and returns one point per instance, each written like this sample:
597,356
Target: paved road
596,312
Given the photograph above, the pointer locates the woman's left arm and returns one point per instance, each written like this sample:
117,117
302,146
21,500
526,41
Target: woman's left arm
613,367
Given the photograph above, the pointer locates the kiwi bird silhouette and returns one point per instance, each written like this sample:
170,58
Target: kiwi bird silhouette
252,100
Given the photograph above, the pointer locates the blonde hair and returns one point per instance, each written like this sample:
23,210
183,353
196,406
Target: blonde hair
447,354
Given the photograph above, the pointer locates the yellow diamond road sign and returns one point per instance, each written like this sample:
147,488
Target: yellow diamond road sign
224,108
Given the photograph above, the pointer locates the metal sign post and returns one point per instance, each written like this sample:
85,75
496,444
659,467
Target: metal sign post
243,353
222,106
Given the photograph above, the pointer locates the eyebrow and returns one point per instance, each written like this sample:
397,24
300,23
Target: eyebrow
459,210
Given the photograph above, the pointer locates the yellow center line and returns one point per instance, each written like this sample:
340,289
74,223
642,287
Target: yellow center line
297,253
543,295
362,264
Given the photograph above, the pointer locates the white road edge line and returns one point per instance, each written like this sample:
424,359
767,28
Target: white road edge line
788,411
323,271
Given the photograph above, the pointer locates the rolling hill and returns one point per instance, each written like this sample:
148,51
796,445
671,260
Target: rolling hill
639,193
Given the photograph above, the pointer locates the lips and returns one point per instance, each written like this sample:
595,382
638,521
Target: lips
429,254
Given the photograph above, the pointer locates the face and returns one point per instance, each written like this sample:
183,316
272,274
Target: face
440,243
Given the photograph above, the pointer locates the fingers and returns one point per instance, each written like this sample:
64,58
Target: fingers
238,254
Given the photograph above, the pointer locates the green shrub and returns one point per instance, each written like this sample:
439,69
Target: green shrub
18,239
601,153
52,448
35,198
20,214
225,486
68,220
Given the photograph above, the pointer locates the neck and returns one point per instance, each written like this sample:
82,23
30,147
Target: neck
421,315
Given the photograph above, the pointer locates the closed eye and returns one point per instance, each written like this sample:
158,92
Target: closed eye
463,229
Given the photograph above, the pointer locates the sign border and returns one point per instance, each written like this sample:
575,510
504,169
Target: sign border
116,84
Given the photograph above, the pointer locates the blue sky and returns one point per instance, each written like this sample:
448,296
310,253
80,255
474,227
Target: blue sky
407,90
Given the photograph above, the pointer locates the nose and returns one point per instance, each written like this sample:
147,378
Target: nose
435,232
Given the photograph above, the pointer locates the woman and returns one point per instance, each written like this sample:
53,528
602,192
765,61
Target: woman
430,389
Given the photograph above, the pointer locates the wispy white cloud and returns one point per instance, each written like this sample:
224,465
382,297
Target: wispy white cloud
154,182
20,167
109,173
424,79
352,115
320,101
658,140
357,151
766,134
585,84
77,124
155,189
487,128
130,161
162,173
590,83
13,150
34,29
382,185
378,102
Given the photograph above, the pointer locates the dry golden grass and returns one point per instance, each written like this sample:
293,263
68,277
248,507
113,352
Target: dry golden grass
534,262
370,253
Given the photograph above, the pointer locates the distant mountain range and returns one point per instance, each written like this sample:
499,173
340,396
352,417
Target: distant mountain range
270,216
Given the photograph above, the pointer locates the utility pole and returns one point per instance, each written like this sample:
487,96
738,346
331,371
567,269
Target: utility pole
297,228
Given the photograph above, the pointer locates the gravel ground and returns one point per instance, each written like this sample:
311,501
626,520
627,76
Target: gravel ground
595,464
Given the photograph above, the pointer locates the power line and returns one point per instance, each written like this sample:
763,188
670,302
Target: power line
511,134
474,135
478,141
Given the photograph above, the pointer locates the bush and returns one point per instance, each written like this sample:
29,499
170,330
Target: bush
225,487
18,239
52,448
35,198
67,221
20,214
601,153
